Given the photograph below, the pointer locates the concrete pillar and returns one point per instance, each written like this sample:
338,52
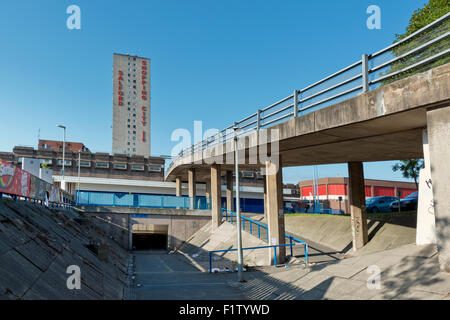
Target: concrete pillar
265,198
229,193
178,189
426,222
208,191
438,127
192,187
357,202
275,213
216,195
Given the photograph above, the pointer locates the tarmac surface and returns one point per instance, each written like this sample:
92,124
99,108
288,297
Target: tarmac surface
161,276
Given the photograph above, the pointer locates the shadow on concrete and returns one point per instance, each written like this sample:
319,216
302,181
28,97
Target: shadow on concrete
261,286
412,272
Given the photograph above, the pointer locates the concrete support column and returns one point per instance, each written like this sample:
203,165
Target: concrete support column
438,127
208,191
216,195
192,187
426,222
178,189
357,202
275,213
230,204
265,199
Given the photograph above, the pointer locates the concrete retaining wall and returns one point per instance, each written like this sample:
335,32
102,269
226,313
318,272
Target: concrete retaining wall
38,244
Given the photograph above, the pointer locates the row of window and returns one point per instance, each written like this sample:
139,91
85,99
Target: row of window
121,166
101,164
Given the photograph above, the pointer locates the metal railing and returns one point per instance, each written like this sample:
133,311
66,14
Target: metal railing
137,200
252,248
419,49
64,204
261,226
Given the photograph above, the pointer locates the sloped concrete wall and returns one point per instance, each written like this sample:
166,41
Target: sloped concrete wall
37,245
224,237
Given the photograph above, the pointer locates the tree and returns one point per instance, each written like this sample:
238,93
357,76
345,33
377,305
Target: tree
431,11
410,169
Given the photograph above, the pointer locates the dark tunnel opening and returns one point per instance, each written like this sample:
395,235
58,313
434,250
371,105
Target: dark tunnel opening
149,241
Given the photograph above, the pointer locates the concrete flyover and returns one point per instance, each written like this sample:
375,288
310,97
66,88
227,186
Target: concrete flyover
386,123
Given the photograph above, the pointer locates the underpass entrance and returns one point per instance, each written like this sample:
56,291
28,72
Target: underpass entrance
150,237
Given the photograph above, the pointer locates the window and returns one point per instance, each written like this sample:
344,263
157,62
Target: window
120,166
104,165
248,174
47,161
67,163
154,168
137,167
84,163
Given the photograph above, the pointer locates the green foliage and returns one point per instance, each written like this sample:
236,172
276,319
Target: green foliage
433,10
44,166
409,168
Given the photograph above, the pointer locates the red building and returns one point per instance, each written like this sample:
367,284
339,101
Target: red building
58,145
330,189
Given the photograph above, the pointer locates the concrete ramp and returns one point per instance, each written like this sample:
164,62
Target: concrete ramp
38,244
385,231
224,237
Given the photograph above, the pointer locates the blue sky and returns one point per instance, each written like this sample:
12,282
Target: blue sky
211,60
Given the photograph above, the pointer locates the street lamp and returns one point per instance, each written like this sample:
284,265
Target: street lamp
78,188
64,151
238,208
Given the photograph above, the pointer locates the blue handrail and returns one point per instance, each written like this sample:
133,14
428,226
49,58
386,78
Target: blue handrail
252,248
259,224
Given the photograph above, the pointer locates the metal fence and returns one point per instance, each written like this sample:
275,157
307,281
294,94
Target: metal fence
120,199
422,50
261,230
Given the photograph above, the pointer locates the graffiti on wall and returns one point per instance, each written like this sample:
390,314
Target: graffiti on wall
15,181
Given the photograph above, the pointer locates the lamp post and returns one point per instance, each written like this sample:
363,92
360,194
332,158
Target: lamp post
78,187
238,208
64,150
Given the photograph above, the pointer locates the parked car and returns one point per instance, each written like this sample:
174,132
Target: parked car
408,203
379,204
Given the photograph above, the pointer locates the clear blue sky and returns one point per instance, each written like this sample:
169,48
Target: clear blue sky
211,60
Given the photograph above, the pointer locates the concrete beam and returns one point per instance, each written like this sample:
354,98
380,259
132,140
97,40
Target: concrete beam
192,187
229,192
216,195
178,187
275,214
438,127
357,200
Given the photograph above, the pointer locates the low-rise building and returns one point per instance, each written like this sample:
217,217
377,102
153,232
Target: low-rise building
332,190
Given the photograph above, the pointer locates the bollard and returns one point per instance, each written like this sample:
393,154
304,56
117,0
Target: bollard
292,252
275,256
